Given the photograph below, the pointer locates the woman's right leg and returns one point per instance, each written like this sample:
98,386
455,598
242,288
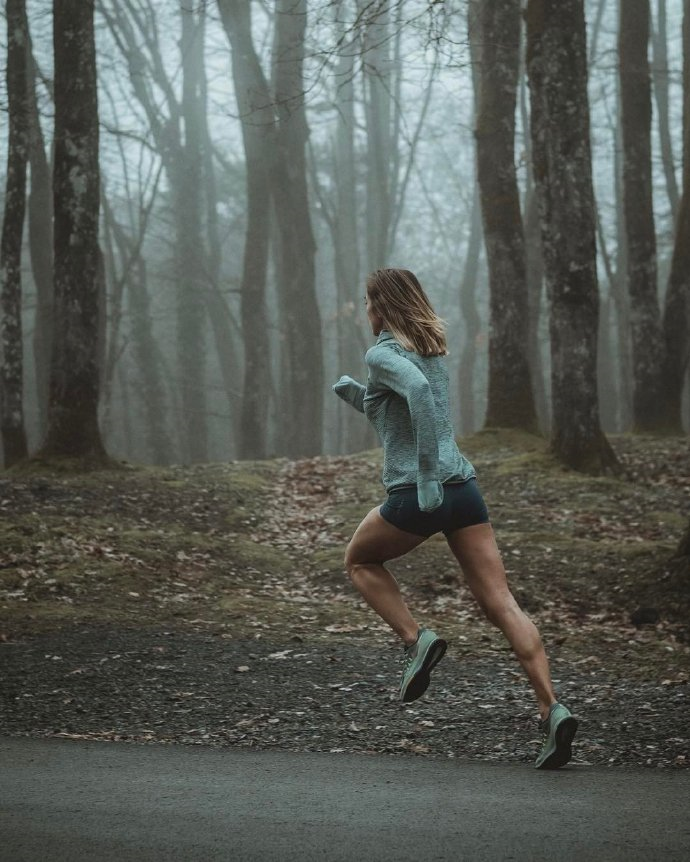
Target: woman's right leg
475,549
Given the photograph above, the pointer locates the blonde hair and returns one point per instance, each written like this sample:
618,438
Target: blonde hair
399,299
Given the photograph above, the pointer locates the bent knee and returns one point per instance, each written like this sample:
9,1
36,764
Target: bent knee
497,608
350,561
353,564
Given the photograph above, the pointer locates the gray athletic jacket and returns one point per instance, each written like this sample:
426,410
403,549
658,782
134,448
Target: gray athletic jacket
406,400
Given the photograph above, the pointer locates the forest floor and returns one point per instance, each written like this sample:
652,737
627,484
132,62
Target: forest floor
208,604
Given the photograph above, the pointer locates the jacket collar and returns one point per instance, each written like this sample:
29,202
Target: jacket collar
384,335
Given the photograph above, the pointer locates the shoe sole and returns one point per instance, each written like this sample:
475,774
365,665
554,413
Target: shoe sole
565,733
420,681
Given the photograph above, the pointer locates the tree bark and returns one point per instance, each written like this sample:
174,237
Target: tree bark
660,75
468,286
377,108
191,313
301,320
471,320
534,266
618,287
40,248
557,69
74,386
255,105
510,396
636,108
350,296
11,376
676,318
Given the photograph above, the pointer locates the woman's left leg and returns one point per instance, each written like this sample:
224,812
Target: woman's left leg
375,542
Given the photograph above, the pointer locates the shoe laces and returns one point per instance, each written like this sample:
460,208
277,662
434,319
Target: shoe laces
407,656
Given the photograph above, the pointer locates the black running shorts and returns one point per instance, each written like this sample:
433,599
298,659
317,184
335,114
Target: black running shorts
463,506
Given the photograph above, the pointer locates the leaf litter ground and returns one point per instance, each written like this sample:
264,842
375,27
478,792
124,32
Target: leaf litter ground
208,604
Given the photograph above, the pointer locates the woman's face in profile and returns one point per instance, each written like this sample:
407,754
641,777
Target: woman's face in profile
374,319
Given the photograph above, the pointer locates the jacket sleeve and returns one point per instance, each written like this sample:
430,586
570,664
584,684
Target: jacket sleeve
350,391
396,372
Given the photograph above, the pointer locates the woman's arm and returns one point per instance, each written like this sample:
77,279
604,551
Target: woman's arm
350,391
401,375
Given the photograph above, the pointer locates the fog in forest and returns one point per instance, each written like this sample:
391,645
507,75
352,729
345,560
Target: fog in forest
258,159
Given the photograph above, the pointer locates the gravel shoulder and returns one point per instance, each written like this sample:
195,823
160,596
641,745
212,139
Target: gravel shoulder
175,686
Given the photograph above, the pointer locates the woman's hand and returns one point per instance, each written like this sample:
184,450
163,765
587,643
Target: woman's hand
350,391
429,495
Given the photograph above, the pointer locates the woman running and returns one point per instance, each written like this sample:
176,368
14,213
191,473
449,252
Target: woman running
432,488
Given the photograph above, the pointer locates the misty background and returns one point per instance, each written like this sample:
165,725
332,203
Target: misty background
387,110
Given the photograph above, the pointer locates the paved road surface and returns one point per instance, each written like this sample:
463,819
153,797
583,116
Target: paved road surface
72,800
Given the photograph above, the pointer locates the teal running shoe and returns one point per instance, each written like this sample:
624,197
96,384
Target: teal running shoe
420,658
559,729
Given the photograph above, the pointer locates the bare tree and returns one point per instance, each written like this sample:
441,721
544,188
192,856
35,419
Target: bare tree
557,69
676,317
135,27
74,385
128,282
256,111
510,398
661,88
302,363
11,376
40,245
378,76
636,109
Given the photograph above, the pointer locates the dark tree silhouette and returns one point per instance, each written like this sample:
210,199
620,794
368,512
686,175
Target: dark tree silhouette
302,361
676,318
11,372
557,69
256,112
510,397
73,429
636,121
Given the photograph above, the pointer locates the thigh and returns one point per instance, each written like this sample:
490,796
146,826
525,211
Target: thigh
376,541
476,550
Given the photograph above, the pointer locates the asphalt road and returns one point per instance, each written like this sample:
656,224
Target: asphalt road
74,800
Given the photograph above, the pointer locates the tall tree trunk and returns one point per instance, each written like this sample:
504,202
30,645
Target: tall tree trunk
354,435
147,360
468,286
534,266
676,319
609,394
621,298
377,105
303,357
11,376
636,107
535,302
510,397
660,75
40,248
221,317
112,342
191,317
470,319
256,111
557,68
73,416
